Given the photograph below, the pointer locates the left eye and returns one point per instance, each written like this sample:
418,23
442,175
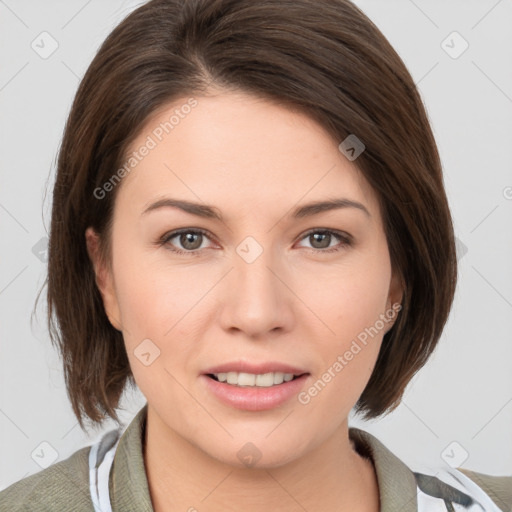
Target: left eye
324,237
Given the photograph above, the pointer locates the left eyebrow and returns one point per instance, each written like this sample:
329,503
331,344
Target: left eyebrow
315,208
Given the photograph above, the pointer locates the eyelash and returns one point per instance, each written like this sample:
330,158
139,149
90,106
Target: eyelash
345,239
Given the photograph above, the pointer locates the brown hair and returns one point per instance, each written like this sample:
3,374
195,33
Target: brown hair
323,57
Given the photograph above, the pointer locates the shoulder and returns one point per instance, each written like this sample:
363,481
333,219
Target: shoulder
62,486
498,488
429,487
469,489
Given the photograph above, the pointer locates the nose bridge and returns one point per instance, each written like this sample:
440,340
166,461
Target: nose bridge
257,296
253,266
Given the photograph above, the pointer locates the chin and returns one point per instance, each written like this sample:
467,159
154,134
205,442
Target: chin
259,453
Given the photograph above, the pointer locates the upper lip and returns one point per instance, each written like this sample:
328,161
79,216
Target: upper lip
255,368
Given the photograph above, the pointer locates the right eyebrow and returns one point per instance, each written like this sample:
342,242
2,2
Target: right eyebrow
201,210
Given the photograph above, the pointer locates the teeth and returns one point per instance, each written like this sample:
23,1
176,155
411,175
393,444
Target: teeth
250,379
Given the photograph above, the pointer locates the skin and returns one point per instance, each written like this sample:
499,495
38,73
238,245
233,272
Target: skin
254,161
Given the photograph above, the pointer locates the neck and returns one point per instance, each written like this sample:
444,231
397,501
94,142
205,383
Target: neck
182,477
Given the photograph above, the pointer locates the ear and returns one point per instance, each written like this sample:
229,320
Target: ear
104,279
395,296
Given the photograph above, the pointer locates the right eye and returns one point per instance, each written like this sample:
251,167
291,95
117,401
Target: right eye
190,239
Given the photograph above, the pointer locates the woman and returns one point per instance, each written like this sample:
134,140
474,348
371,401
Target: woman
249,223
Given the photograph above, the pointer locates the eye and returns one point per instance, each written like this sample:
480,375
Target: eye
321,240
190,239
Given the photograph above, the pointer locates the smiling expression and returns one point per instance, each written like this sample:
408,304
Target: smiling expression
244,235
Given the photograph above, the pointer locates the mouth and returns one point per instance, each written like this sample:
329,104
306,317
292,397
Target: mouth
254,391
264,380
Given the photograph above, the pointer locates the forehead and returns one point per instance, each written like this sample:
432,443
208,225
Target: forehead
241,153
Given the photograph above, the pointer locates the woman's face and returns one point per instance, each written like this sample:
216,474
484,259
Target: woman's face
262,285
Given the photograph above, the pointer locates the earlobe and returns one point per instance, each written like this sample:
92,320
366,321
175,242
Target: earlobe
395,297
103,278
396,289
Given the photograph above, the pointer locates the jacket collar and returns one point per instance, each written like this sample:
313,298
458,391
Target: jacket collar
129,488
128,484
397,484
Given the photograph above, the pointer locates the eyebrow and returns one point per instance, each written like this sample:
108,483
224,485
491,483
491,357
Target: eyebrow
211,212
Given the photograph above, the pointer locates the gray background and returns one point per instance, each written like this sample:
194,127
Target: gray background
458,409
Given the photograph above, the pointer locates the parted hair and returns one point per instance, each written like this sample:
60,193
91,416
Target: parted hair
325,58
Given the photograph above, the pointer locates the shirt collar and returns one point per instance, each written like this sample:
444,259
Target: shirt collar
129,490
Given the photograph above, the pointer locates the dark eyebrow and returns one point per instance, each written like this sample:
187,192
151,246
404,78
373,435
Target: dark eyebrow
323,206
201,210
210,212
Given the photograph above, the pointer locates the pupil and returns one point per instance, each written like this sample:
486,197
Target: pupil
323,238
188,242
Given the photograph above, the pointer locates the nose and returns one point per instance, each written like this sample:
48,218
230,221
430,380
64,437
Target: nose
256,298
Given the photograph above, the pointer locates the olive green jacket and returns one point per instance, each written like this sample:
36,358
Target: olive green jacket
64,486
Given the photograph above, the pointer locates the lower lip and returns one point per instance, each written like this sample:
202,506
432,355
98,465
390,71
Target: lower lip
255,398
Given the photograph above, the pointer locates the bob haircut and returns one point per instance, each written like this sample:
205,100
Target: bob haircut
324,58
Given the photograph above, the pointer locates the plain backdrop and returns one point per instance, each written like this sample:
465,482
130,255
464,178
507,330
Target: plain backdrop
458,409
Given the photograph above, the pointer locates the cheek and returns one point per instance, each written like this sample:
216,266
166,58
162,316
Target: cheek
348,354
156,304
149,309
348,300
151,298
